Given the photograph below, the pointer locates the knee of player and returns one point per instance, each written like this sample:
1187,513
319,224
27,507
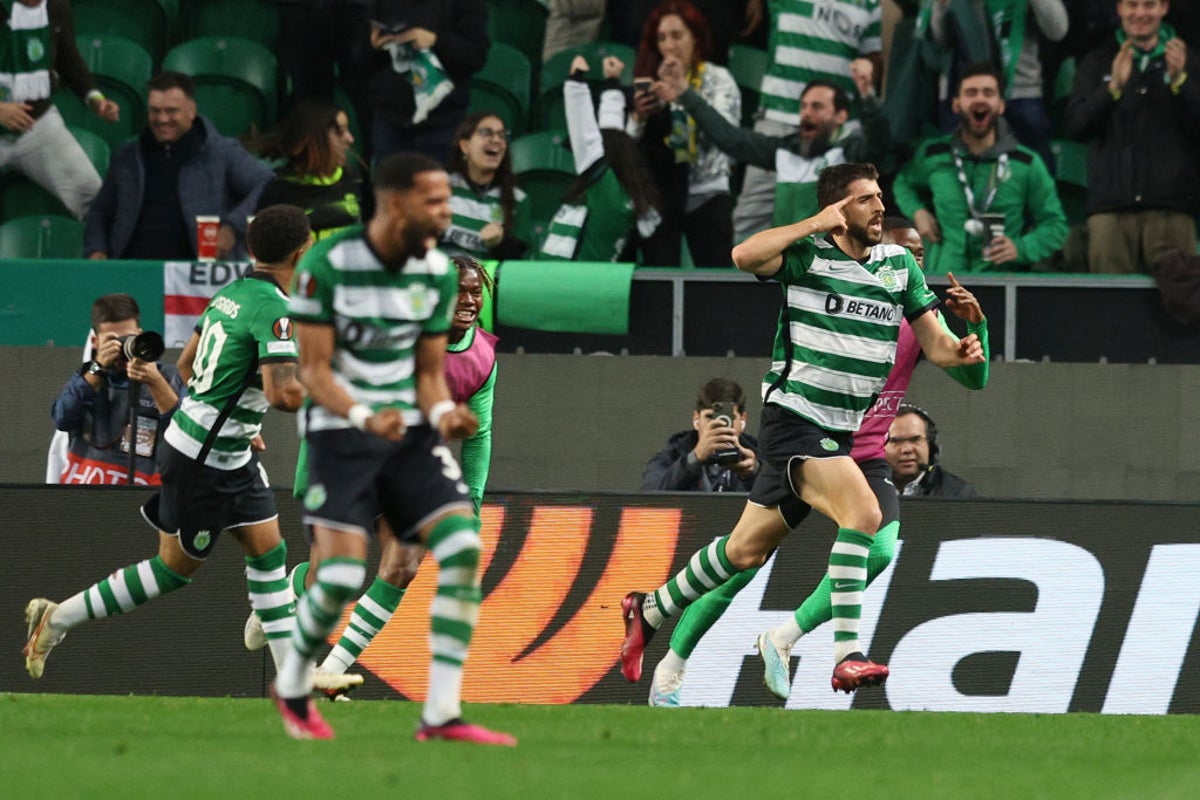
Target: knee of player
865,519
454,541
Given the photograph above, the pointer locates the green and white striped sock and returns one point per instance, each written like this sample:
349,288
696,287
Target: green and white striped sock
119,593
272,599
848,580
317,613
371,613
707,569
455,544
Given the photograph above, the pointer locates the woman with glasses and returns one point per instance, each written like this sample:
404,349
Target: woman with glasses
491,215
320,175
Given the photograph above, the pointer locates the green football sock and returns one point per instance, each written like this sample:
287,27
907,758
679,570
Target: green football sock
271,598
707,569
816,609
371,613
704,613
848,579
119,593
455,543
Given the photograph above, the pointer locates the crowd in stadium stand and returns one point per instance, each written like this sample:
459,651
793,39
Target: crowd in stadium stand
1076,154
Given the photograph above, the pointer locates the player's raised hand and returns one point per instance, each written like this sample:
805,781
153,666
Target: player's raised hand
831,218
458,423
388,423
962,302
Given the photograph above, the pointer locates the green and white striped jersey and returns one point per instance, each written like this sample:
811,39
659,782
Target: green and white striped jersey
837,333
377,318
245,324
815,40
471,211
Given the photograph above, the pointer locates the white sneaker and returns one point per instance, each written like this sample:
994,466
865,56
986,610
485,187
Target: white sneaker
664,689
41,638
335,685
777,666
253,635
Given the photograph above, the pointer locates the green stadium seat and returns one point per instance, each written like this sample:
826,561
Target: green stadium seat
142,21
544,168
236,80
41,237
21,197
503,87
748,65
97,149
121,68
1071,176
256,20
520,24
549,111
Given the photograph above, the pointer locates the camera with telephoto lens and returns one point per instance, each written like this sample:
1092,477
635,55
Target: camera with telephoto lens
725,414
147,346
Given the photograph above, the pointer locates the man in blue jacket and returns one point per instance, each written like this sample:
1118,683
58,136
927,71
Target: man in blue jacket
179,168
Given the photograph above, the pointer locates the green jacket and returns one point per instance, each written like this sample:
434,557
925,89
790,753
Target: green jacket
1024,193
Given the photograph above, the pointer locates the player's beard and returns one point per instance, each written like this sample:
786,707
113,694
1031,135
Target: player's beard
863,234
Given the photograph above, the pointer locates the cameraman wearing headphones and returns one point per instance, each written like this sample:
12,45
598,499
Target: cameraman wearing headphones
716,455
94,406
912,451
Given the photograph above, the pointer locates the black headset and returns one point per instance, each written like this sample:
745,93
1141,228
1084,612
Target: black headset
930,428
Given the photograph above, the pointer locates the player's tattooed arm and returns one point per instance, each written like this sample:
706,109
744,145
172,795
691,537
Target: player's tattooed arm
281,385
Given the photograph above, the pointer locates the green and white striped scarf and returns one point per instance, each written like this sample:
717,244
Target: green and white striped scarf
429,80
25,54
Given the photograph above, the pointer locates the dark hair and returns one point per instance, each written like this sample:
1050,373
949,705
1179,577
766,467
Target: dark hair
841,100
114,308
931,431
302,139
276,232
721,390
976,69
398,173
625,158
833,182
897,223
465,263
648,57
165,81
457,164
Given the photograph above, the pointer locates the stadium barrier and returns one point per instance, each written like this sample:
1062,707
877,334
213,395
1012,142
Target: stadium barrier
999,606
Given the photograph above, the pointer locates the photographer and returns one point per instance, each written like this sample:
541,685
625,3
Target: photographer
94,406
717,455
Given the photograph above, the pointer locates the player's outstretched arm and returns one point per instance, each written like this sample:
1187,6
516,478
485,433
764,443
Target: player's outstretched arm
943,348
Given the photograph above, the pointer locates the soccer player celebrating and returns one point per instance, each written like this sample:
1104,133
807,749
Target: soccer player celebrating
240,361
845,298
373,306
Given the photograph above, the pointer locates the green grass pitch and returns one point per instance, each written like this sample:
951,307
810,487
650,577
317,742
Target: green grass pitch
64,746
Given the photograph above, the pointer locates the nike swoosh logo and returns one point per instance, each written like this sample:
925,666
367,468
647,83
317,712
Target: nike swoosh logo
844,584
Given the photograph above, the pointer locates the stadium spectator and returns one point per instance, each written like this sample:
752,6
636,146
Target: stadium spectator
325,45
810,414
320,173
376,438
109,392
240,361
38,52
491,216
715,454
1137,108
471,375
728,21
981,201
825,136
692,175
913,452
420,82
1007,34
868,453
179,168
804,46
613,205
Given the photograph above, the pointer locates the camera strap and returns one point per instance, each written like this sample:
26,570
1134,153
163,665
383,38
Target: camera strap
225,412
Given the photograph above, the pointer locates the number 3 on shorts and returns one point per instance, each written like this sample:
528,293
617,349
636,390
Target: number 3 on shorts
450,467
